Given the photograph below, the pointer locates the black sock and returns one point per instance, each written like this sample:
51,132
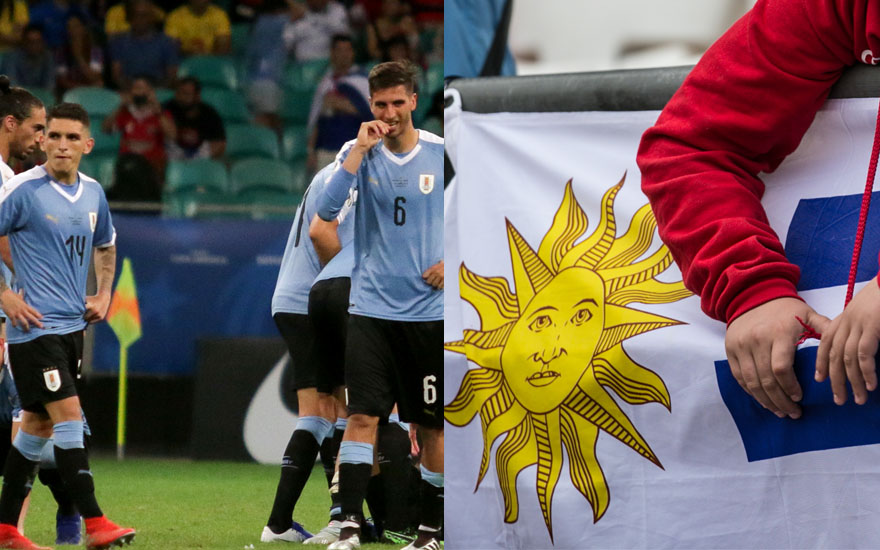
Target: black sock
397,474
18,478
376,501
73,465
329,450
51,478
432,505
296,467
353,481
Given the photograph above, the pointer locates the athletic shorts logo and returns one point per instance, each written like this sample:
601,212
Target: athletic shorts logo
93,220
426,183
52,379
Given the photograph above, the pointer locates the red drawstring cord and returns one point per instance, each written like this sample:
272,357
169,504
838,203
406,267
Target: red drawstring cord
809,332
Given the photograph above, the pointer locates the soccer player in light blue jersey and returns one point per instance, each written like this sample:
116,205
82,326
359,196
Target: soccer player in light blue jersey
395,332
302,261
55,217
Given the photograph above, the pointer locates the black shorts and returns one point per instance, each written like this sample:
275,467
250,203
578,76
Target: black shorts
328,312
388,362
297,333
45,369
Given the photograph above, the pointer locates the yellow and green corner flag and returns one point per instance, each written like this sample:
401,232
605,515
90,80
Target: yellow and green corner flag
124,317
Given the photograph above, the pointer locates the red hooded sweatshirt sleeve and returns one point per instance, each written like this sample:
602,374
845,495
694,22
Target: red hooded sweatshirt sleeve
743,108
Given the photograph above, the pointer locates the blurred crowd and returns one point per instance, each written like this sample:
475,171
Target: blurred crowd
166,82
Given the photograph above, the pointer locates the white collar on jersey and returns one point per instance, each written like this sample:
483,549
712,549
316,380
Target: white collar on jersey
400,161
57,186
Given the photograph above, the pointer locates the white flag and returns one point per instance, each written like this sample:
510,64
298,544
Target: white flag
588,399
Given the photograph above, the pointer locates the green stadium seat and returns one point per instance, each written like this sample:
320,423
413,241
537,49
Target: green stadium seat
433,125
244,140
240,34
269,204
305,75
300,175
259,174
294,143
199,175
100,166
295,106
434,78
106,143
229,104
98,102
46,95
164,94
194,204
210,70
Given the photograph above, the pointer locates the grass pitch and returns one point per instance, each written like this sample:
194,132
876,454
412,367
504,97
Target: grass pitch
177,504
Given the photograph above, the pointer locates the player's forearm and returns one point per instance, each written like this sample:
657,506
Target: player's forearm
335,193
325,239
105,268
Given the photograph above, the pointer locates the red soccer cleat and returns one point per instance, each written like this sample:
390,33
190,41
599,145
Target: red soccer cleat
11,538
101,533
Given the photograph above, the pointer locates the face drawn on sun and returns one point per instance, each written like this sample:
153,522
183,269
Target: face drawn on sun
547,353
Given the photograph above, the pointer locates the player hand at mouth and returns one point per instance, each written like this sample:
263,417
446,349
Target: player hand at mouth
20,314
96,307
434,275
848,346
371,133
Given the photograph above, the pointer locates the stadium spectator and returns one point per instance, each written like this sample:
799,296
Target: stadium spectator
340,105
265,57
395,23
80,62
395,331
200,131
31,65
472,29
45,358
13,18
311,26
145,128
200,28
143,50
117,21
51,16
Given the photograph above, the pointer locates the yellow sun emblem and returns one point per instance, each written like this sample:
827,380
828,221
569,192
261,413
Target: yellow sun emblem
547,352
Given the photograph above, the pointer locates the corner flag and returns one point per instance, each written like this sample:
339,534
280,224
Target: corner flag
124,317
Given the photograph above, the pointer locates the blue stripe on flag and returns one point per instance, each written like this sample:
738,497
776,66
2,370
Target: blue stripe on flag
821,237
823,425
820,241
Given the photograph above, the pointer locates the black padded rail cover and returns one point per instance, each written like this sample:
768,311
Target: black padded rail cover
621,90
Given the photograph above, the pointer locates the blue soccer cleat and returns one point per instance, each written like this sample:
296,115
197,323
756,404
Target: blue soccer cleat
68,529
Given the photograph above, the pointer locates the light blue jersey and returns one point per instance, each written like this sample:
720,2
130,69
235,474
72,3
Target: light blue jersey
300,264
398,228
52,229
342,263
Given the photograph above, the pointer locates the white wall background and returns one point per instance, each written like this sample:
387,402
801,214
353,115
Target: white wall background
589,35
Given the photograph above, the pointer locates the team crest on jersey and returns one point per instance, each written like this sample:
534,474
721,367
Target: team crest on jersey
52,378
426,183
93,220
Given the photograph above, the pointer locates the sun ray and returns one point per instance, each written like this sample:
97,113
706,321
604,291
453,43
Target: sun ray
592,402
547,434
622,277
632,382
651,291
579,437
477,386
500,414
569,224
517,452
635,241
530,274
591,251
622,323
490,296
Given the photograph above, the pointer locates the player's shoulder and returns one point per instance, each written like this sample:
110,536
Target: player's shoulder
27,181
431,143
